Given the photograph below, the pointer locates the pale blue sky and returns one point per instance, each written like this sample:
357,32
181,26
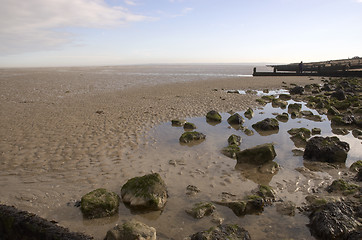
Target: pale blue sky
115,32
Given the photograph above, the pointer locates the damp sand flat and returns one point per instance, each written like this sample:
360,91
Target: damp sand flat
65,132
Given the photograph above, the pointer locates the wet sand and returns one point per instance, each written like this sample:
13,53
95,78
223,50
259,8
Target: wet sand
65,132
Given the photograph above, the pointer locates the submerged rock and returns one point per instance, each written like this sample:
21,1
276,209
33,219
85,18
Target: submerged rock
267,124
230,151
316,131
99,203
213,116
284,117
191,136
335,221
199,210
341,185
148,192
189,126
328,149
286,208
234,140
257,155
178,122
299,136
279,103
131,230
228,231
236,119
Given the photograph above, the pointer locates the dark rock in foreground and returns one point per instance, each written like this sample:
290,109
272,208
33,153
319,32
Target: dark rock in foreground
296,90
213,116
328,149
15,224
191,136
257,155
228,231
99,203
335,221
147,192
131,230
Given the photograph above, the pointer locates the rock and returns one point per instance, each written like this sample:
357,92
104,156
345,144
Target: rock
343,120
306,113
299,136
99,203
213,116
333,111
356,133
339,94
286,208
334,221
266,192
267,124
235,119
238,207
268,98
356,166
268,168
228,231
192,190
201,209
294,107
316,131
260,101
254,205
341,185
189,126
358,177
132,230
296,90
304,131
178,122
230,151
234,140
249,113
233,91
284,117
279,103
257,155
188,137
340,131
285,97
248,132
328,149
148,192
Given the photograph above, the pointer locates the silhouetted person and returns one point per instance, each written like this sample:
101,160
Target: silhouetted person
300,67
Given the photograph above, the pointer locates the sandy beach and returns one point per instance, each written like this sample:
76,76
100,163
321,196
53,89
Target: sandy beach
65,132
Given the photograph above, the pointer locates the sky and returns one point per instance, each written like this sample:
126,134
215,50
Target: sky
43,33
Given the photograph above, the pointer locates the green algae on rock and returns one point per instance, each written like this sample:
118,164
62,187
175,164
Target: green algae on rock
201,209
99,203
229,231
249,113
188,137
356,166
267,124
147,192
189,126
341,185
178,122
131,230
257,155
234,140
236,119
213,116
230,151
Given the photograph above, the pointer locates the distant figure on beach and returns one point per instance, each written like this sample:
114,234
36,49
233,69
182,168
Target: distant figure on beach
301,67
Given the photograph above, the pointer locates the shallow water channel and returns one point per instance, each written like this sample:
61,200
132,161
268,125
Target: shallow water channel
204,166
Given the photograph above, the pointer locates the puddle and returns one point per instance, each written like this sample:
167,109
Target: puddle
204,166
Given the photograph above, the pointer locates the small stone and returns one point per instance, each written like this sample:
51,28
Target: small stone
188,137
178,122
189,126
316,131
201,209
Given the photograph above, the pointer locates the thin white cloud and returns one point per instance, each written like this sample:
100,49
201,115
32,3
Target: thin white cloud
184,12
40,24
130,2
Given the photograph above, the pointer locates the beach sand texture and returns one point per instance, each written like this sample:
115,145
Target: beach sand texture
67,131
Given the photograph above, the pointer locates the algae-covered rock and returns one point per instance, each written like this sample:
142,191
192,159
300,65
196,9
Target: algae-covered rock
254,205
268,98
285,97
131,230
279,103
299,136
257,155
249,113
284,117
286,208
333,111
335,221
341,185
238,207
328,149
230,151
201,209
213,116
148,192
236,119
99,203
356,166
260,101
267,124
188,137
229,231
316,131
343,120
266,192
294,107
248,132
178,122
189,126
297,90
234,140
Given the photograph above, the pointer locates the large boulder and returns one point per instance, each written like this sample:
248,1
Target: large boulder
228,231
99,203
131,230
335,221
188,137
236,119
257,155
326,149
147,192
213,116
268,124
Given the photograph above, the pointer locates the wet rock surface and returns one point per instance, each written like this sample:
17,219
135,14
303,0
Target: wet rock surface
188,137
268,124
131,230
228,231
257,155
146,192
328,149
201,209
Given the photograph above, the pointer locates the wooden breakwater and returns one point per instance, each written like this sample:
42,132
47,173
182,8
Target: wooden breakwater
332,68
